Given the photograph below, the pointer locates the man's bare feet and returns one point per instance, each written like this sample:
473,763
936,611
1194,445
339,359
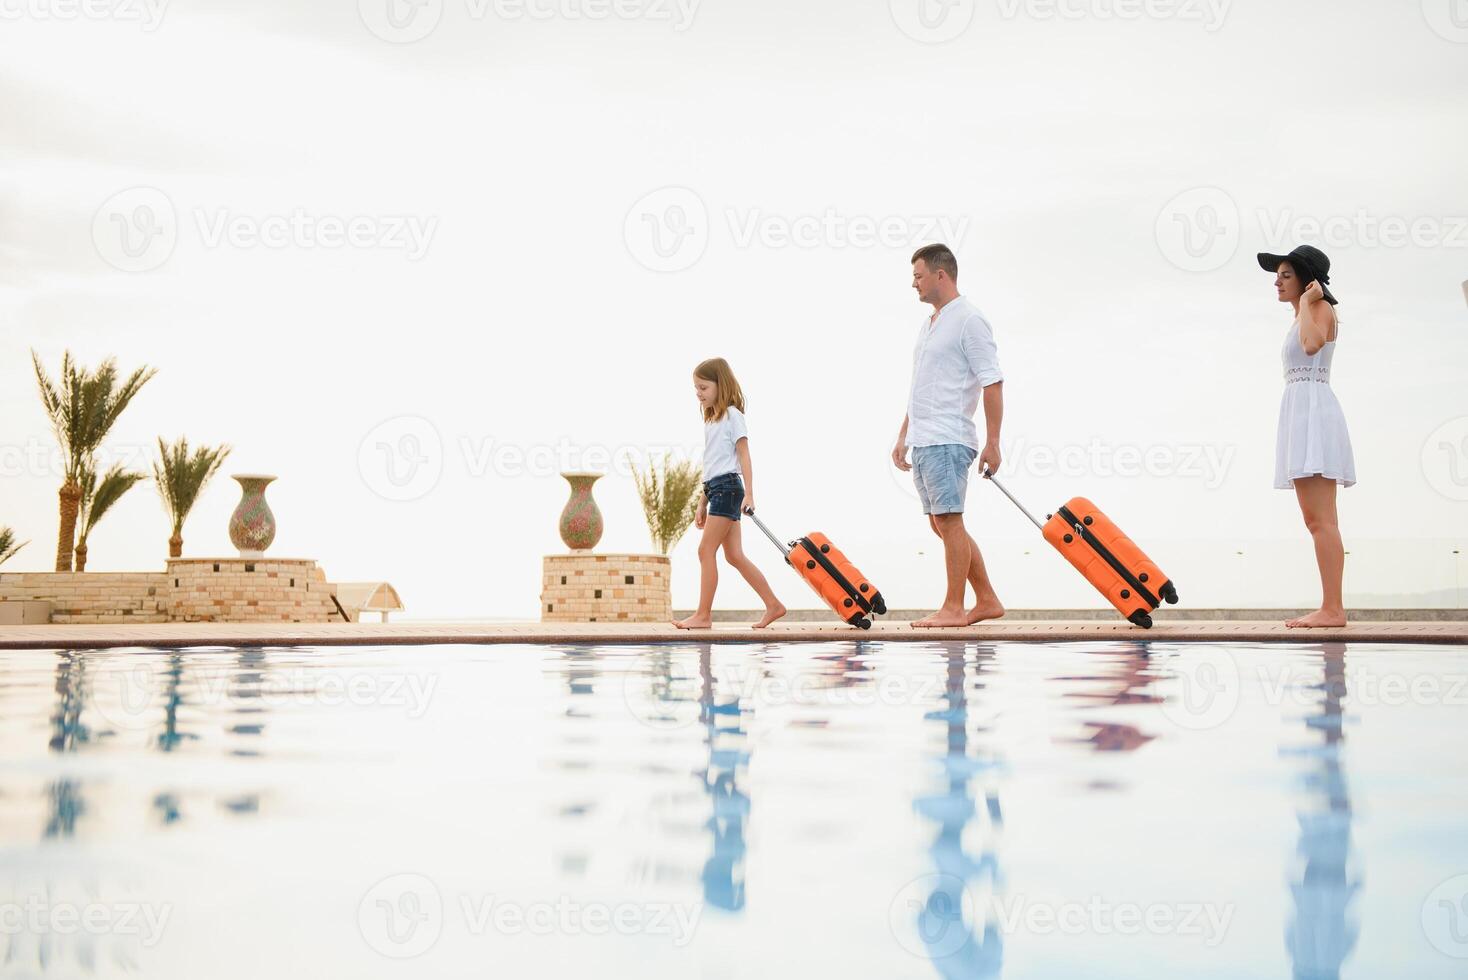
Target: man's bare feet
943,617
983,611
695,622
772,613
1319,619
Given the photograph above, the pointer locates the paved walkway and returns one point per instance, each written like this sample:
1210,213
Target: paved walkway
57,637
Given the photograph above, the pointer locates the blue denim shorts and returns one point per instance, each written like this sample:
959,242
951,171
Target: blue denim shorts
941,476
725,494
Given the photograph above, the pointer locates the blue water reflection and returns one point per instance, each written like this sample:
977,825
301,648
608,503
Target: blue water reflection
850,808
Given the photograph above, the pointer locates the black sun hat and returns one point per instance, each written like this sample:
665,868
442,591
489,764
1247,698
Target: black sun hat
1309,263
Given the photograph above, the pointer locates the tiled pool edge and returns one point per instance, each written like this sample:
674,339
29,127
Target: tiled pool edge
176,635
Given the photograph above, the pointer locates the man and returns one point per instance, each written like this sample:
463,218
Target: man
955,359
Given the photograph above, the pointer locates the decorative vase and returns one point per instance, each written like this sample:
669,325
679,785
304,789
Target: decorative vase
581,525
252,526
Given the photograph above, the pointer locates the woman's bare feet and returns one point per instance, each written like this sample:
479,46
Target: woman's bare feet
772,613
983,611
1318,619
695,622
943,617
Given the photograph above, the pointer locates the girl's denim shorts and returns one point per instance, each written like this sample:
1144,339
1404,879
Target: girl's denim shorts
725,494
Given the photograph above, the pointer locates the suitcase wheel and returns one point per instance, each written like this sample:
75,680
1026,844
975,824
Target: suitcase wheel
879,605
1169,593
1140,618
864,623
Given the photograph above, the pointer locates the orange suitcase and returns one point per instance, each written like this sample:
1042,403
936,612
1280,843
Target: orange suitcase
832,576
1108,559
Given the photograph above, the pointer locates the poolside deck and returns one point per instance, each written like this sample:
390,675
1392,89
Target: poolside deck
173,635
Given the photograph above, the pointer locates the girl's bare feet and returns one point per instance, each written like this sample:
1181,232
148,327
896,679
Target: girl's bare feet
983,611
1320,618
695,622
772,613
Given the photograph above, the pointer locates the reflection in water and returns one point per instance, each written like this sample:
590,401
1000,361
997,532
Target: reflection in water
879,823
170,683
727,743
1323,926
68,732
955,811
103,699
1126,680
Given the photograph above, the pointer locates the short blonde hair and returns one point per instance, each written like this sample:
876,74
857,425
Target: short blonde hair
717,370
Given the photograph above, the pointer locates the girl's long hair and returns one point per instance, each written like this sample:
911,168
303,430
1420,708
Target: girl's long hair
717,370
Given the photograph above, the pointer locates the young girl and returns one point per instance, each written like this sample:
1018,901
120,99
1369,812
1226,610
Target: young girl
725,496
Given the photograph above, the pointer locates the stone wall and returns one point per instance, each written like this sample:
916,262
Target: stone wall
248,590
217,590
583,587
92,597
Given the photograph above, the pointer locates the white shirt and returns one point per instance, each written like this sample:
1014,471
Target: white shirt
719,440
955,358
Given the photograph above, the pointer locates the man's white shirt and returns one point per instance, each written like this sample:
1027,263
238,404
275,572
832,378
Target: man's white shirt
954,360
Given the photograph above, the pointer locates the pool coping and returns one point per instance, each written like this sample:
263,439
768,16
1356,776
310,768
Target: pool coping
178,635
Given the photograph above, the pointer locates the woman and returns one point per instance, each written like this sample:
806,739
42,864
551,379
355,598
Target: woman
1313,451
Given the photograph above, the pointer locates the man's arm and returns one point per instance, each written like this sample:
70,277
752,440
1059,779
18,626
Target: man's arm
899,451
983,359
993,419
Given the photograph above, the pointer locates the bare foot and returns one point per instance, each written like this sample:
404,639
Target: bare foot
772,613
695,622
1320,618
983,611
943,617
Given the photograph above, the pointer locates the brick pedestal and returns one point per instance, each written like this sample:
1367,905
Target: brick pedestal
584,587
248,590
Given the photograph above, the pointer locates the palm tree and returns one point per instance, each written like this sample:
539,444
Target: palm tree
669,500
180,477
97,499
83,408
8,546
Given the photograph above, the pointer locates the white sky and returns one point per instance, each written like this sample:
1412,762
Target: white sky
520,146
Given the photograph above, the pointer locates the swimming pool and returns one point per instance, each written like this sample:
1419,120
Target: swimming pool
842,809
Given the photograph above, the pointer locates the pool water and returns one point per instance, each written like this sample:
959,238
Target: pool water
845,809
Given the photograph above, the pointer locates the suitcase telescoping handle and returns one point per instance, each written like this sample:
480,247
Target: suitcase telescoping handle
784,550
989,475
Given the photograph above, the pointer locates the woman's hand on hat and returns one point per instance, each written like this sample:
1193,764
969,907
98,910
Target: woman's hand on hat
1314,293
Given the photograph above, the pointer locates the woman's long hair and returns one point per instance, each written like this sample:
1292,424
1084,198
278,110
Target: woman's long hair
717,370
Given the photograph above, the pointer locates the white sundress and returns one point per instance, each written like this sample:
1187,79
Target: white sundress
1312,440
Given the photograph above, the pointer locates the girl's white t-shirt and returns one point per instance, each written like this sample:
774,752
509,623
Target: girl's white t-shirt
719,440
